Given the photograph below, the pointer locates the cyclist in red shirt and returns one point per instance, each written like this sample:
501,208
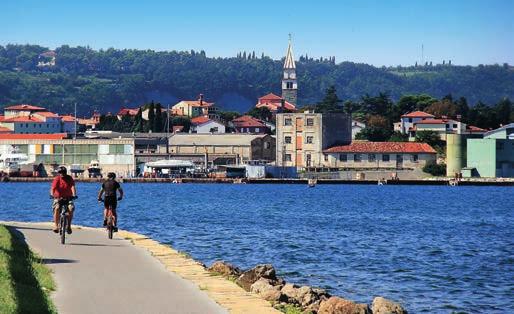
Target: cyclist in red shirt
63,187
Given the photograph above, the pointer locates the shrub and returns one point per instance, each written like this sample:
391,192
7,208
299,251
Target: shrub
437,170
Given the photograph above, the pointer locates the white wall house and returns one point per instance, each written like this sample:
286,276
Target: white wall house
357,126
407,121
204,125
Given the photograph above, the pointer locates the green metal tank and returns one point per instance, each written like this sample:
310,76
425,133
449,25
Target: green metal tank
455,153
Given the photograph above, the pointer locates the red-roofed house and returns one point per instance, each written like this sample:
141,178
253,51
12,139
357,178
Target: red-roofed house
30,119
408,120
204,124
249,124
273,103
194,108
127,112
379,155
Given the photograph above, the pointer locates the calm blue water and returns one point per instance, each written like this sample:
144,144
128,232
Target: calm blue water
434,249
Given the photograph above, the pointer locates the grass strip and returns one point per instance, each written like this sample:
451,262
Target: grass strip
25,282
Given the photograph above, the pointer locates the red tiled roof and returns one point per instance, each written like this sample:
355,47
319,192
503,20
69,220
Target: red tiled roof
247,121
68,118
435,121
382,147
47,114
274,106
24,107
269,97
2,118
23,119
200,120
472,128
128,112
52,136
418,114
196,103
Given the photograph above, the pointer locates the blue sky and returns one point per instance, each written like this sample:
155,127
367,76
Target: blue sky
387,32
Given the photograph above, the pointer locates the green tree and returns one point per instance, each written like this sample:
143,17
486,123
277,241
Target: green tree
432,138
399,137
158,118
150,125
262,113
373,134
331,102
138,122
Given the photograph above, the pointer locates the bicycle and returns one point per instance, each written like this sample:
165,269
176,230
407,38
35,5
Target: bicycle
63,216
110,219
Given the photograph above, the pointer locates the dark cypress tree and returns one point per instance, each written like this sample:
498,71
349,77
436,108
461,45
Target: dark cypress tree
244,54
138,122
151,118
158,118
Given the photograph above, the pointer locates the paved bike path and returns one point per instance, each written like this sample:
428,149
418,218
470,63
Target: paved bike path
97,275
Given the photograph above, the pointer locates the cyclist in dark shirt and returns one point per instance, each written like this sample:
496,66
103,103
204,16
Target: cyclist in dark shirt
109,189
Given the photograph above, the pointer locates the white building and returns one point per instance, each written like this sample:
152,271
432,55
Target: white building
28,119
407,121
357,126
203,124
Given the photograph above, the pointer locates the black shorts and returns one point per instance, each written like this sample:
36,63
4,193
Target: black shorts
110,201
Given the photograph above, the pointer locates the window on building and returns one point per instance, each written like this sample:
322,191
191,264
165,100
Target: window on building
309,140
26,125
267,145
116,149
357,157
410,120
287,139
256,130
309,122
415,158
288,121
325,156
287,157
447,125
21,125
455,125
372,157
343,157
214,130
289,85
385,157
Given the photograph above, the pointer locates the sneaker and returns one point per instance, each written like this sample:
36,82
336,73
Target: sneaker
68,231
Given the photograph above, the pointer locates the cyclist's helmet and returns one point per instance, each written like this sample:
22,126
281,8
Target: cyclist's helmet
111,175
62,170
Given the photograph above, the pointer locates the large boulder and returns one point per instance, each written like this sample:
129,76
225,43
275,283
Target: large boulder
268,290
336,305
384,306
249,277
225,269
304,296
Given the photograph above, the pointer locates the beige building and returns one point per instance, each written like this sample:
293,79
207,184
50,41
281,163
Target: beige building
362,155
222,148
194,108
302,137
114,155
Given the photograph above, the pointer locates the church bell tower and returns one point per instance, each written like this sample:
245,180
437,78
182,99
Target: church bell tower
289,82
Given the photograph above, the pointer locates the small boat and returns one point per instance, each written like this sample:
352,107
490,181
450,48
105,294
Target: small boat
15,163
94,169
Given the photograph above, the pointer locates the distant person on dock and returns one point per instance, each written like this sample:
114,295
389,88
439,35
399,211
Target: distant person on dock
110,188
63,187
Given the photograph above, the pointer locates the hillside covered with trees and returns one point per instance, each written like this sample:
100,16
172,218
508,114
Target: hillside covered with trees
106,80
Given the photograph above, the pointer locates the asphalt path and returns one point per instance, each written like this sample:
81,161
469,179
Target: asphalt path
97,275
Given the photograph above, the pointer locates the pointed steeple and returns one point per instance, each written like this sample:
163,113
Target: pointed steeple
289,62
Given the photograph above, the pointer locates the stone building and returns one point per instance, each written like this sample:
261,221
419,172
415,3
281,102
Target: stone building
289,81
361,155
302,137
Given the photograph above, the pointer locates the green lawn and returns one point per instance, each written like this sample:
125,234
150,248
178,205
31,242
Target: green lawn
25,283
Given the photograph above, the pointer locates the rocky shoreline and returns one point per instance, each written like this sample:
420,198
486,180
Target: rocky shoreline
263,281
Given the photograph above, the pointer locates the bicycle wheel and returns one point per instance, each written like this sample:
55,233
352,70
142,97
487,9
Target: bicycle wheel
63,228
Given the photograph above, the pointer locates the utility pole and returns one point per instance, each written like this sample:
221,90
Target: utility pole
168,131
